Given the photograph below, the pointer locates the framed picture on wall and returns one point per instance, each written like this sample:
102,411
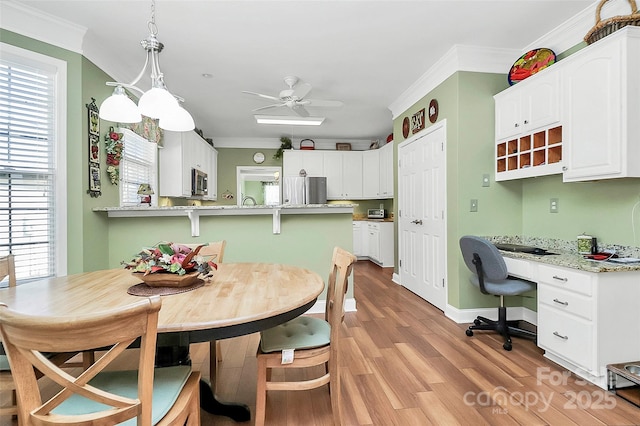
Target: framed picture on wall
343,146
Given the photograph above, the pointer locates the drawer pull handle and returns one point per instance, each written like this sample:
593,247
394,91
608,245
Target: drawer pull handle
561,302
555,333
555,277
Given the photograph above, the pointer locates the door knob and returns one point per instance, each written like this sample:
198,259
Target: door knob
417,222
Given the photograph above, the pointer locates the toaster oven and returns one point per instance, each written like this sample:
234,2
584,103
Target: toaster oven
376,213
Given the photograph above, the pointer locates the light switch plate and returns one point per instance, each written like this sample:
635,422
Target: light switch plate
486,179
473,206
553,205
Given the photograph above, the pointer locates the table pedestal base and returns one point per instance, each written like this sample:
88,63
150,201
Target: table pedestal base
209,403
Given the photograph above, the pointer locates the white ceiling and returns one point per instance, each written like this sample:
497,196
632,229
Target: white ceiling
363,53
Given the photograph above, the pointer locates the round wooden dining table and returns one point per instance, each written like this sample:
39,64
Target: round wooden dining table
240,298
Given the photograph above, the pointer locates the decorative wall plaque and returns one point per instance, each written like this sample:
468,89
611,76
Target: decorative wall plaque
417,121
94,149
433,111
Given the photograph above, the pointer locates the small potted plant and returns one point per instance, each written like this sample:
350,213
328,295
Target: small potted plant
285,144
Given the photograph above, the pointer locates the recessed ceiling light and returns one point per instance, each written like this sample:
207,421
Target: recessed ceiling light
295,121
207,75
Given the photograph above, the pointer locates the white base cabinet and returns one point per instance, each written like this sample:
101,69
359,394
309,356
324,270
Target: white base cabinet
380,243
588,320
374,241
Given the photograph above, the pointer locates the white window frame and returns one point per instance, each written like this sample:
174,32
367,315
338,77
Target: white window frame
33,59
127,199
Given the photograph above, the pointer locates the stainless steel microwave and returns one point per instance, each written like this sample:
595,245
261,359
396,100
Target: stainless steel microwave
198,183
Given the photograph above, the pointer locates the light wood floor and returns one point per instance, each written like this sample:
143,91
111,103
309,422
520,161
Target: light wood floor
404,363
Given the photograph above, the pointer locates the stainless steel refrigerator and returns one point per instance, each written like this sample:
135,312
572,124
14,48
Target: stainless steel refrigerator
304,190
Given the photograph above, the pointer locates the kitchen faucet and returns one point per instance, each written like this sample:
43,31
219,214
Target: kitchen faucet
248,198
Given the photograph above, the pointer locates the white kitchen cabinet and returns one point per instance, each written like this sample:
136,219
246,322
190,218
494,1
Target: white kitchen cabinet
213,175
359,231
588,320
529,105
181,152
386,171
529,140
343,170
371,174
310,161
380,242
602,109
350,175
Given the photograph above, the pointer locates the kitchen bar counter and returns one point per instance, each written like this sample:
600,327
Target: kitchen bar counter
195,212
566,257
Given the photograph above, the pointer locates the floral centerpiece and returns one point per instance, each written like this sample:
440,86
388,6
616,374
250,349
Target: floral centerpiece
171,264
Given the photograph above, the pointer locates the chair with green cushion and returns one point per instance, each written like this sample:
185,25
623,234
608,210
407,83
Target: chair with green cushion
314,341
99,395
8,272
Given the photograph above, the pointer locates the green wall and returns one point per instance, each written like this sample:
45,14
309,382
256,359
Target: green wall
465,100
519,207
305,240
85,234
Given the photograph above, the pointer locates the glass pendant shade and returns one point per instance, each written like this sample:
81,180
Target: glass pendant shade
119,108
155,102
177,120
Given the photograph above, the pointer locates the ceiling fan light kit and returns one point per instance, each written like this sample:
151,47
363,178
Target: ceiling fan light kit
295,99
295,121
157,102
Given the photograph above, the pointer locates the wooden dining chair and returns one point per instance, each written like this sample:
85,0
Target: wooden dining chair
7,385
314,342
163,396
216,251
7,270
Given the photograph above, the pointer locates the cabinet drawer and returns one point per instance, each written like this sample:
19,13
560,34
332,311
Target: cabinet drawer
567,336
566,301
570,280
519,268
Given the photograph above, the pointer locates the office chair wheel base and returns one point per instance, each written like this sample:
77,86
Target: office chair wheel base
477,321
507,346
469,332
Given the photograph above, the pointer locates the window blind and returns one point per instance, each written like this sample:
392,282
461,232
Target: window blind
138,165
27,168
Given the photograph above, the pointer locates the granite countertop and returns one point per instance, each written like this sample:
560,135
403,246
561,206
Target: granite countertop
221,207
364,218
567,254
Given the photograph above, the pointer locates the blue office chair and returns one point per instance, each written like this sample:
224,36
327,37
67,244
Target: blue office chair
491,276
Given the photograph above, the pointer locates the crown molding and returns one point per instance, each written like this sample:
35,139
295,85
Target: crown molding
467,58
572,31
274,143
458,58
35,24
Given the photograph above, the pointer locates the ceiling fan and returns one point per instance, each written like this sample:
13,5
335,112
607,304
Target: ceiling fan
294,98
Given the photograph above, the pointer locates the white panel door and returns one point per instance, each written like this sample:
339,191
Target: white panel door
421,202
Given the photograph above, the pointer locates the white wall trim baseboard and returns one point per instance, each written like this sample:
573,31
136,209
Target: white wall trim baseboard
320,305
514,313
396,278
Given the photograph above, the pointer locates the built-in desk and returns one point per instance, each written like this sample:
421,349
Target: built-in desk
588,313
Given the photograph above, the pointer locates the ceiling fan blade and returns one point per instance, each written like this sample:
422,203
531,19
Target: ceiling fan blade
268,106
301,90
300,110
323,103
273,98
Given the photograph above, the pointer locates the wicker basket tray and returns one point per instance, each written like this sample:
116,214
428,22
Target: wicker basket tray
610,25
161,279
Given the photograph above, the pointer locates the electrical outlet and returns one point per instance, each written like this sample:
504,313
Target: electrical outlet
473,206
485,179
553,205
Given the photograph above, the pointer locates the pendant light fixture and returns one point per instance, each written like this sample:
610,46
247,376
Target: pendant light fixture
157,102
